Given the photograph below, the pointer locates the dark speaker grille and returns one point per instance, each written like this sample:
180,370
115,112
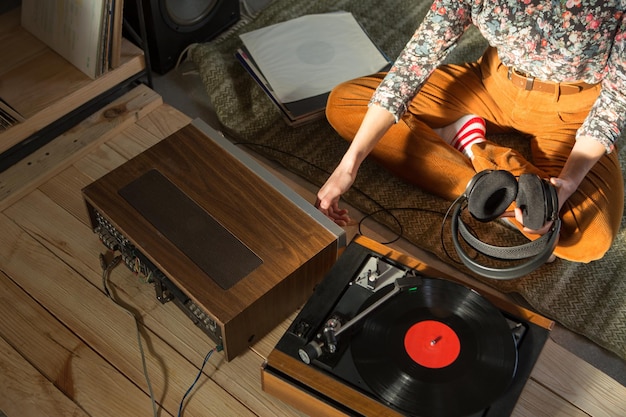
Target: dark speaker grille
188,13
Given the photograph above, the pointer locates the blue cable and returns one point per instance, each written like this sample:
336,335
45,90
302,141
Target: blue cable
206,359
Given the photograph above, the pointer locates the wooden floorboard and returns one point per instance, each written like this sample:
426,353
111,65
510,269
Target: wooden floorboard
537,401
579,383
25,391
65,366
66,349
62,189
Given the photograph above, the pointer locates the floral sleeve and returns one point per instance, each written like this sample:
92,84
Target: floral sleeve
430,44
608,115
560,41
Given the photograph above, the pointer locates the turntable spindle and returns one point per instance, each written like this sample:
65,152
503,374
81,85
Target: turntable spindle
435,340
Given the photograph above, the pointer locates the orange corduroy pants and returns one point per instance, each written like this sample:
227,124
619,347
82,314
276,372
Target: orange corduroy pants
413,151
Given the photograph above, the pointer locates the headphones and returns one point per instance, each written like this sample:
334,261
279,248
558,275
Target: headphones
486,197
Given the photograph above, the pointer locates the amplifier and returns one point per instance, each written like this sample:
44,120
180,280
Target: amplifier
217,234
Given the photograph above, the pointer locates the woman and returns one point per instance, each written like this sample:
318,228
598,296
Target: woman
555,72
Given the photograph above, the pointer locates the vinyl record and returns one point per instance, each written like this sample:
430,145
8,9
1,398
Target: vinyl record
438,350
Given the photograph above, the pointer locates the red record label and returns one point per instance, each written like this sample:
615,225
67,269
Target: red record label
432,344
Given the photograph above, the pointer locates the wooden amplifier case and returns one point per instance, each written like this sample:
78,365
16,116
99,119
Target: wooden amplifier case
237,249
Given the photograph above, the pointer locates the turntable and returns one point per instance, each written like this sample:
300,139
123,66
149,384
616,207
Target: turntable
384,334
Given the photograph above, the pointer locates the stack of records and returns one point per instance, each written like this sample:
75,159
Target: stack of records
86,33
298,62
8,116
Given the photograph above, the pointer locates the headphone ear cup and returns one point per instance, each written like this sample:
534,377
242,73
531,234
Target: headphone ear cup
491,195
532,199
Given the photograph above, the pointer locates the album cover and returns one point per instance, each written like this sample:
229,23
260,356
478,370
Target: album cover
298,62
295,113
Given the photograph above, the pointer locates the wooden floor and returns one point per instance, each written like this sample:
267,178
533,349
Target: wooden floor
67,350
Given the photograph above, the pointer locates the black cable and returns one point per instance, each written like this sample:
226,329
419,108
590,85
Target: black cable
311,164
353,188
441,233
218,348
382,209
387,211
106,271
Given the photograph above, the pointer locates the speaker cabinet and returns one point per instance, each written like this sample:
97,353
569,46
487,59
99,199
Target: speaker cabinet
172,25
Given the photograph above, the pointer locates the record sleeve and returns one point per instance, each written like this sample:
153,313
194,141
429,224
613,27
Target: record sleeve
309,55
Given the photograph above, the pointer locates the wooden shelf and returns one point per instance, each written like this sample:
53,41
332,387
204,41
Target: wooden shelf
42,86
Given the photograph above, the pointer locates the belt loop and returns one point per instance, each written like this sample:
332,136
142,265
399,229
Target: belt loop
557,92
529,83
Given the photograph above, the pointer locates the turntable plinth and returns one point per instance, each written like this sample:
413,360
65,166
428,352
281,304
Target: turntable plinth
293,382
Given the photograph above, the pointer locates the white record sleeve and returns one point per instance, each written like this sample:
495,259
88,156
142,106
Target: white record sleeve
309,55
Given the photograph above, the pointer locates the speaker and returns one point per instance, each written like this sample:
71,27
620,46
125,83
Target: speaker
172,25
486,197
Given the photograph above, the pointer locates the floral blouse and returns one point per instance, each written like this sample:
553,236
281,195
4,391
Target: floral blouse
556,40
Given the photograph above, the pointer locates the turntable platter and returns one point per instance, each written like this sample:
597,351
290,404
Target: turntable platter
438,350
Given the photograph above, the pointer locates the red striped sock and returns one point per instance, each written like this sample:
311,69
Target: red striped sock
467,131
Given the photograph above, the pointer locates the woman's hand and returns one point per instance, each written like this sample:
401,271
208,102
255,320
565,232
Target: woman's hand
328,196
586,152
376,122
330,193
